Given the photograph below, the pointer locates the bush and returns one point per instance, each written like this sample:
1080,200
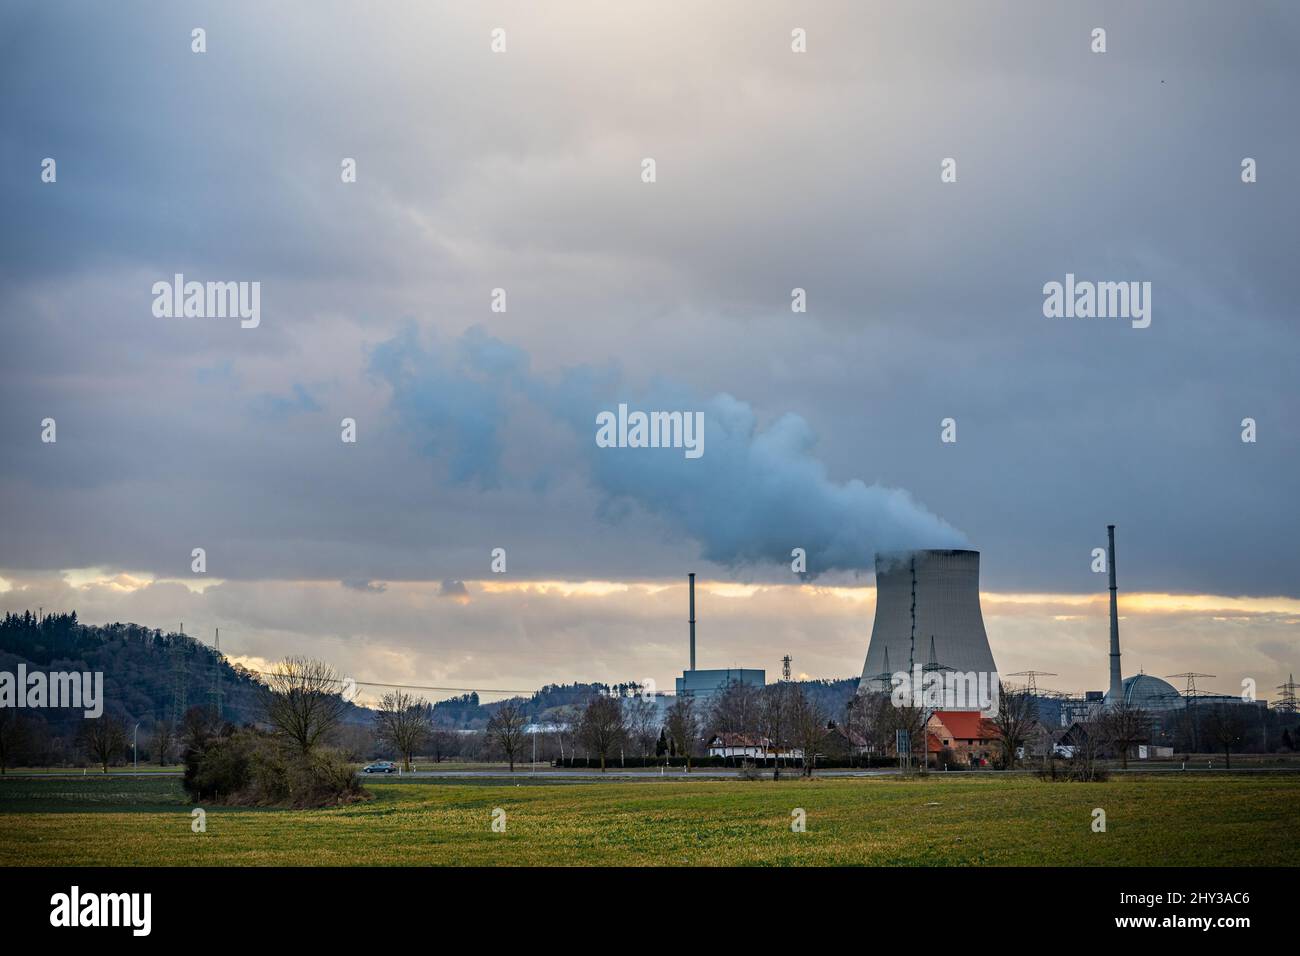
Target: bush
247,767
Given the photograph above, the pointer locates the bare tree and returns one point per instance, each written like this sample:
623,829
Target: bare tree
302,701
774,719
807,726
164,740
876,723
1085,741
506,729
103,738
1016,719
442,743
735,710
909,719
855,725
684,726
1122,725
642,715
402,721
1225,726
567,719
602,726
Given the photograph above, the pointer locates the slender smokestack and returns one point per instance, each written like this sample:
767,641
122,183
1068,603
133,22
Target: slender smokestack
1116,680
692,576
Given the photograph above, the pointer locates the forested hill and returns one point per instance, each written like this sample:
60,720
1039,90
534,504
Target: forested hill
144,668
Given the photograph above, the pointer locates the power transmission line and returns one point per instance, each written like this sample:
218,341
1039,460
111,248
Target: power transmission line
454,690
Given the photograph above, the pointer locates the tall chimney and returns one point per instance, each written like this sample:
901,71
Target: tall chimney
692,576
1116,679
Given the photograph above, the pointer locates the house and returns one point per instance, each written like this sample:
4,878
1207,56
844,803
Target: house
746,747
971,737
841,743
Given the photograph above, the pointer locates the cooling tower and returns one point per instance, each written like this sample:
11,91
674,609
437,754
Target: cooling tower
920,595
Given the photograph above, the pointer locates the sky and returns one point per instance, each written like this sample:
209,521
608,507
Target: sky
522,170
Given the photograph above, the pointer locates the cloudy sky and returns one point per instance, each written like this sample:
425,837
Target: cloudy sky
522,170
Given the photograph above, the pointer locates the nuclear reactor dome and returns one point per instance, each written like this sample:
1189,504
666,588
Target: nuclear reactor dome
1148,693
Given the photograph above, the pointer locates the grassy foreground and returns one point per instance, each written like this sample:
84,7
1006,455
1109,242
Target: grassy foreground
945,820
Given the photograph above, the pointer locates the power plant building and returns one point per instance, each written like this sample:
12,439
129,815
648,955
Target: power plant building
705,683
1144,692
928,616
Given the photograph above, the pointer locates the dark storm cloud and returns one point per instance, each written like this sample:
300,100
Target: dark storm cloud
819,170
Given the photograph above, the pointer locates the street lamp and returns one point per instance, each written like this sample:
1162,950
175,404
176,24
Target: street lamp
135,753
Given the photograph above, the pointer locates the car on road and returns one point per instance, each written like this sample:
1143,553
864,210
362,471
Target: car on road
380,766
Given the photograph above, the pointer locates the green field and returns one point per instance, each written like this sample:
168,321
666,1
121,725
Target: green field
951,820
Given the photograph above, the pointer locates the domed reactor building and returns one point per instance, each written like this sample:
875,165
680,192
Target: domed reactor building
927,616
1145,692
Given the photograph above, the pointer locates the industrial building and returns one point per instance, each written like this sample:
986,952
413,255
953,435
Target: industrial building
1164,705
703,684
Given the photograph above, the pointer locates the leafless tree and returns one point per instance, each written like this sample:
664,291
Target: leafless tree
855,724
602,727
1225,725
567,719
164,740
302,702
1086,740
642,718
1122,725
684,726
876,724
774,721
103,738
909,719
442,743
807,726
735,710
401,722
506,729
1016,719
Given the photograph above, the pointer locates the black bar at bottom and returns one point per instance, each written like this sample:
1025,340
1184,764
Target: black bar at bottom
300,904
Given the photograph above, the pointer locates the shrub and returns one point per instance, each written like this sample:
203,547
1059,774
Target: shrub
247,767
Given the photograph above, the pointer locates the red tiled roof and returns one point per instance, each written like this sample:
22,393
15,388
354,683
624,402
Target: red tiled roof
966,724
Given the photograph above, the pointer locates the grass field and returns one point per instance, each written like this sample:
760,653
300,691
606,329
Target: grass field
939,821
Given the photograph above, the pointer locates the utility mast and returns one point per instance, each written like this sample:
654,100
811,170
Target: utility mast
785,668
1188,697
216,679
1287,702
1031,683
